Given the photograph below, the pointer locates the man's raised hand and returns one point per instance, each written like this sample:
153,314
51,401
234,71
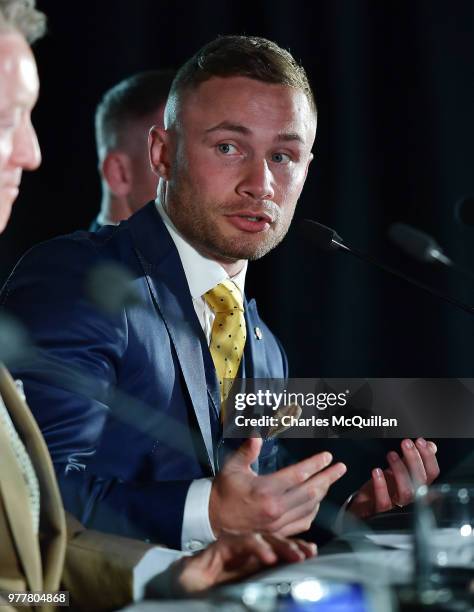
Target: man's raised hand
283,503
396,485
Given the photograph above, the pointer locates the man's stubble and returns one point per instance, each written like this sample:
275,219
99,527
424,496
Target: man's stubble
190,213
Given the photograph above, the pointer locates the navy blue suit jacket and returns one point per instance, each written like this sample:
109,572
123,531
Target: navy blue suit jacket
126,401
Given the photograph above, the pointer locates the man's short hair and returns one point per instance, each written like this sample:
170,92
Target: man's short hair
21,16
248,56
129,101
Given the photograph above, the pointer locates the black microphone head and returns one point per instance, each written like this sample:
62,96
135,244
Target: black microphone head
413,241
322,237
464,211
109,287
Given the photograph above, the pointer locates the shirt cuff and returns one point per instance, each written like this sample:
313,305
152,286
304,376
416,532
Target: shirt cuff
155,561
197,532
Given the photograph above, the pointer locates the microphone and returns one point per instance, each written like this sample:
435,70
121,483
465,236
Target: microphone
109,287
423,247
464,211
15,342
322,236
416,243
327,239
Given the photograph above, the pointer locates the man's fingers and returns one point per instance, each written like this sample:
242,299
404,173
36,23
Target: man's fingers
298,473
285,549
299,502
243,554
413,462
309,548
315,488
427,451
404,486
305,512
244,456
257,545
233,547
294,528
268,548
289,495
291,549
382,501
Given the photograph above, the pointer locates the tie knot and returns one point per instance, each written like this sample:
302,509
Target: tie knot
224,297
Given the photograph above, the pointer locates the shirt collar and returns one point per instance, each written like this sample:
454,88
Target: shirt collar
202,274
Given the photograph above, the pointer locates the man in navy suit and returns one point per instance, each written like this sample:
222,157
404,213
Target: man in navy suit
131,414
32,521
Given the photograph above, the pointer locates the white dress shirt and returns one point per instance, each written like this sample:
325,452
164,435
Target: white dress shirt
202,274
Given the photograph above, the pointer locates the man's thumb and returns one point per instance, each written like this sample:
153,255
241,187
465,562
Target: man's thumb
245,455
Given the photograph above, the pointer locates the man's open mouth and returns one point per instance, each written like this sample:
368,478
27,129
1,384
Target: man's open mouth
249,222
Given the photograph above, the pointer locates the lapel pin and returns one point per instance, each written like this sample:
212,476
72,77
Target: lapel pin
258,333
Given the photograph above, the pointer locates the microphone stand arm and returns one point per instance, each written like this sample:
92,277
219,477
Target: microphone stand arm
339,245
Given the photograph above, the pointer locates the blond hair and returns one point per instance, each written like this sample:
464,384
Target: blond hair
21,16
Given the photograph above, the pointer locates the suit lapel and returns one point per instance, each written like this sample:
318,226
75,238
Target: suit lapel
52,523
254,354
15,494
167,283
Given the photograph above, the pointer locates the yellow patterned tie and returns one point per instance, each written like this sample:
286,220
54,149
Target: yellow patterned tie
228,332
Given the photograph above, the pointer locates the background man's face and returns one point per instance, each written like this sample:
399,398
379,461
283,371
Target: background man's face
19,148
239,161
145,182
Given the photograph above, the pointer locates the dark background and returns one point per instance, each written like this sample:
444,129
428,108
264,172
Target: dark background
394,84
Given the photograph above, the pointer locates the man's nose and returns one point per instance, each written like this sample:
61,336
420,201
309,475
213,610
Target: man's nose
257,181
26,152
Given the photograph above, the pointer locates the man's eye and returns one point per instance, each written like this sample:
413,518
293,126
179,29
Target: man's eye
227,148
281,158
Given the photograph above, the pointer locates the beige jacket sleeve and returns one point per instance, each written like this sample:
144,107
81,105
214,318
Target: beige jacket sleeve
98,571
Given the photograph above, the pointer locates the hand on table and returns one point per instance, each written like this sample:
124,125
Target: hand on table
283,503
396,485
235,556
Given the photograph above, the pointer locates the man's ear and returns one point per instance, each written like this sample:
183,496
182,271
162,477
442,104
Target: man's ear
159,150
117,172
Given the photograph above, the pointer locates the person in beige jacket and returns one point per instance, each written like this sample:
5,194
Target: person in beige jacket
41,548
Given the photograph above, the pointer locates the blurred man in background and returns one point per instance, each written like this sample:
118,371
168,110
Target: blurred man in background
123,119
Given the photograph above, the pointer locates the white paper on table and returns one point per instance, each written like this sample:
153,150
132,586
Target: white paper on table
454,545
401,541
375,567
